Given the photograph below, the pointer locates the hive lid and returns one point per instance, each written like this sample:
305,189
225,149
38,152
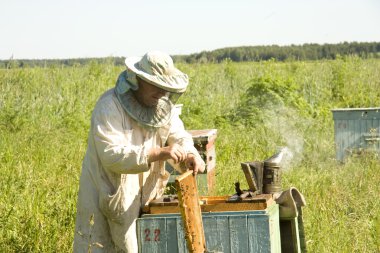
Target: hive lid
212,204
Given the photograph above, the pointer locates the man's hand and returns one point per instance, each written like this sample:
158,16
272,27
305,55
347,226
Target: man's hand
178,155
175,152
195,164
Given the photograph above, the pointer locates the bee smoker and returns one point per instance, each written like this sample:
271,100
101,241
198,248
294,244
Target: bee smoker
272,173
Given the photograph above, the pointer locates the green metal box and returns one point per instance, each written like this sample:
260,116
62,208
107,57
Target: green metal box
244,231
356,131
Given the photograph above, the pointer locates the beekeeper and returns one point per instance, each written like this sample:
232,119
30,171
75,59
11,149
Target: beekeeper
134,130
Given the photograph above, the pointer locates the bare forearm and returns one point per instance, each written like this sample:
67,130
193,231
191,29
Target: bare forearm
154,155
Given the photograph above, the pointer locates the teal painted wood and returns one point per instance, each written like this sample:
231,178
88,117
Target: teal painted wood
356,130
182,247
238,231
172,241
216,235
235,232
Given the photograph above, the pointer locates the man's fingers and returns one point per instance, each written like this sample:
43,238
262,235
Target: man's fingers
183,155
195,170
179,154
192,165
174,158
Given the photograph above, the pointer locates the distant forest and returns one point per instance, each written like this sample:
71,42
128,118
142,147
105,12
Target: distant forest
237,54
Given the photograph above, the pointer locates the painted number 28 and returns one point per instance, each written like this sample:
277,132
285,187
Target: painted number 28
156,235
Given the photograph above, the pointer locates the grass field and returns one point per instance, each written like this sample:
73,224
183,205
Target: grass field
256,107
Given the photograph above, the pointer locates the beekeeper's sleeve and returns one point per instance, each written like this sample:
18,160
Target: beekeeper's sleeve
113,141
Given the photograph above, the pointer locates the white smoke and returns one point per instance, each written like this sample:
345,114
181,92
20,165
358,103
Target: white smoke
286,123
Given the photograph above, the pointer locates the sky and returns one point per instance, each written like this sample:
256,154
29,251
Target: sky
52,29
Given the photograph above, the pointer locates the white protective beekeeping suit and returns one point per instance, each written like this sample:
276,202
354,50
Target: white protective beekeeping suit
116,180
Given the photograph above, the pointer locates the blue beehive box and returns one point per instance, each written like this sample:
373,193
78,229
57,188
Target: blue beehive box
251,231
356,131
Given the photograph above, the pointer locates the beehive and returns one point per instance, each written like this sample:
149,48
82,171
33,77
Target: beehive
253,229
356,131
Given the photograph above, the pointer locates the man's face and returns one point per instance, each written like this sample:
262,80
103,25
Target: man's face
148,94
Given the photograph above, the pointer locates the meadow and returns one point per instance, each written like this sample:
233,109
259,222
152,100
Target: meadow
256,107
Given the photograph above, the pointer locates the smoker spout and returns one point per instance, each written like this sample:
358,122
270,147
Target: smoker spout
276,159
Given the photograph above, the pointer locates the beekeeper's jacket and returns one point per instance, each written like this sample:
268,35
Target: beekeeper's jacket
116,179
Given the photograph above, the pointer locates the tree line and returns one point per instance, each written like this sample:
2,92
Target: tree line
22,63
237,54
286,53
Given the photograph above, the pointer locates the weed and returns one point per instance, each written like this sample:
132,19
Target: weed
45,117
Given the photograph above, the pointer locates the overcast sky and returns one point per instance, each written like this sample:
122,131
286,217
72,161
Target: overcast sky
36,29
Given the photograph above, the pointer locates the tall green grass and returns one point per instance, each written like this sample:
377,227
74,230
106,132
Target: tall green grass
256,107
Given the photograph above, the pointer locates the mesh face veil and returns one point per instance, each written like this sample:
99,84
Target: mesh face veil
169,95
174,96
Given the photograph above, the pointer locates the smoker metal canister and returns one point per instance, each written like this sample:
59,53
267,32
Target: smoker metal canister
272,173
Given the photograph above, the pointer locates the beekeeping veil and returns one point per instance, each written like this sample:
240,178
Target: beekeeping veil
158,69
